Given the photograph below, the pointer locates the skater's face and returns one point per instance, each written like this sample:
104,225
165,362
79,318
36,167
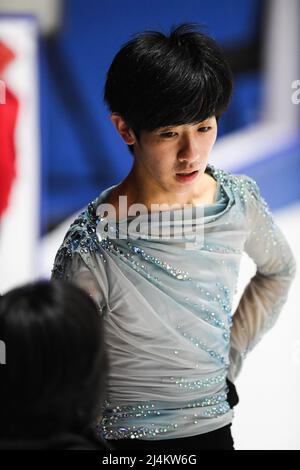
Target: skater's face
164,154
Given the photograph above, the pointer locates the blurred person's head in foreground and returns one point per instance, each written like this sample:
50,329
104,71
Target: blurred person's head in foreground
54,378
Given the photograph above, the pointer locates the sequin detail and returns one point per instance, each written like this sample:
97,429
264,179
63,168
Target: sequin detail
200,344
111,424
175,272
187,384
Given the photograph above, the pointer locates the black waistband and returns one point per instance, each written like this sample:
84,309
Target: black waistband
232,396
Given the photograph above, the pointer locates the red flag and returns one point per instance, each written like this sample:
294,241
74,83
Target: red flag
8,117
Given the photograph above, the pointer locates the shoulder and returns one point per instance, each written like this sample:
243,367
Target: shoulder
247,195
241,185
81,238
82,232
235,180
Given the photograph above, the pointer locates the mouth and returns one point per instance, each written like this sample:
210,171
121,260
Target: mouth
187,173
188,176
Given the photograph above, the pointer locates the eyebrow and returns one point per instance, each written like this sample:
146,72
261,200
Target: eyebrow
166,128
162,129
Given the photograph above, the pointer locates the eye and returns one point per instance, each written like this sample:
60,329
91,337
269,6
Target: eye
204,129
167,135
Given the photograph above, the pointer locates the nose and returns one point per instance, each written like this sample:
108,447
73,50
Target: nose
188,150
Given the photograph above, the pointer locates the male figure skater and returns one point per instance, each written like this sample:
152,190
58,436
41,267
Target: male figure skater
175,346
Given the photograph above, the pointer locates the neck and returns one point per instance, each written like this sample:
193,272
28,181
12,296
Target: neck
141,188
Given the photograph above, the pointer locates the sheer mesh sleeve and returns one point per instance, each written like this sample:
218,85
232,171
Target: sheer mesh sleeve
266,293
76,270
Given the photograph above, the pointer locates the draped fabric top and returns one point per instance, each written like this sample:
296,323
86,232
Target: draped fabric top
166,302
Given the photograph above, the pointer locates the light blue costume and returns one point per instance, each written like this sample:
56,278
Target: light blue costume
171,335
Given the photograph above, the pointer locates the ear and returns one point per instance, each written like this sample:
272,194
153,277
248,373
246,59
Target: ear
124,130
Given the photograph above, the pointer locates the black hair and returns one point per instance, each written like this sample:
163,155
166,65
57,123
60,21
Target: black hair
55,372
157,80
